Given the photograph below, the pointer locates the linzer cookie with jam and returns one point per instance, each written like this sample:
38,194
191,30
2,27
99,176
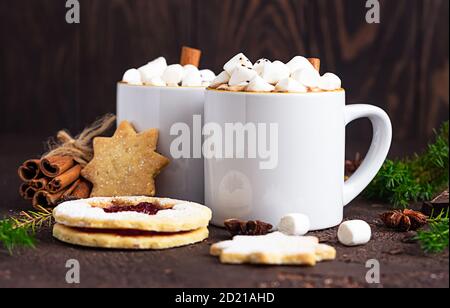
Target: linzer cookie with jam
131,222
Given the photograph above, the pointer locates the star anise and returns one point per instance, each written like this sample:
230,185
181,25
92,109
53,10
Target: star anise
404,221
252,227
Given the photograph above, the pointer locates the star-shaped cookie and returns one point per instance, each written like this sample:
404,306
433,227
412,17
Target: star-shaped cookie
273,249
125,164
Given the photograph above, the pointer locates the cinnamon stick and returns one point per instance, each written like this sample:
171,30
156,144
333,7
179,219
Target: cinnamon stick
190,56
82,191
69,191
22,189
29,170
45,199
56,165
315,62
64,180
26,191
39,184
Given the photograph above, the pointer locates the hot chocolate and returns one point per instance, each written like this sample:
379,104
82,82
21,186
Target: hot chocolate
300,75
157,73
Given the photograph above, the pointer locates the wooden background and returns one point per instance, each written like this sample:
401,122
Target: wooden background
55,75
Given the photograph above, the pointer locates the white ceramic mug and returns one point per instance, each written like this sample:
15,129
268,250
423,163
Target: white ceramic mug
161,107
309,175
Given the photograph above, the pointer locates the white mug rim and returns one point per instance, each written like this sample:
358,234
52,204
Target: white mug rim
278,94
165,88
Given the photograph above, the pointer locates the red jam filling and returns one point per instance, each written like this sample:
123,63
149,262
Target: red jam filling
143,207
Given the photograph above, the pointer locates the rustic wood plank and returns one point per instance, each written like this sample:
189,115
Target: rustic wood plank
400,64
71,70
38,67
117,35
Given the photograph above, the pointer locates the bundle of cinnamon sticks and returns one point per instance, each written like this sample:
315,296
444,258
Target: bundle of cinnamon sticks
52,179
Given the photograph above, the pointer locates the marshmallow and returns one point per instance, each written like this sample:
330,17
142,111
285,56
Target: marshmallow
298,63
160,64
309,77
188,68
222,78
260,64
329,82
133,77
173,74
207,75
192,79
154,68
354,233
294,224
238,60
290,85
156,82
241,75
274,72
258,84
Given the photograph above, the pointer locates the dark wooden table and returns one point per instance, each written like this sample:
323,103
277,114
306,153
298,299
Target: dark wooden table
401,264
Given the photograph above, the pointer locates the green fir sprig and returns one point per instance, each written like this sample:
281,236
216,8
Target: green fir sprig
435,239
416,178
20,231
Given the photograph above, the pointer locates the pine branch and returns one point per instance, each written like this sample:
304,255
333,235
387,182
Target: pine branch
11,237
419,178
20,231
33,219
435,239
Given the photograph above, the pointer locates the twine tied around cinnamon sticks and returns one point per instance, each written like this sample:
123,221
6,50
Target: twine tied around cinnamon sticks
79,148
57,175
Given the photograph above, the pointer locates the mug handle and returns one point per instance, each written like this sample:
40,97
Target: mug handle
381,142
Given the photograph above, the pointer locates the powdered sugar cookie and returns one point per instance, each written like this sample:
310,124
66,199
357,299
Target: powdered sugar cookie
273,249
133,213
116,239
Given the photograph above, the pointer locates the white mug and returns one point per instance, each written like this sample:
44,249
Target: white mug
162,107
308,176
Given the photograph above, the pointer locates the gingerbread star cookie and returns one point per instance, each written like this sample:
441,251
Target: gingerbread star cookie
273,249
125,164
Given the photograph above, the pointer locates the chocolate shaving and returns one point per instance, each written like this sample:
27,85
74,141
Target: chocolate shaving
438,206
252,227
